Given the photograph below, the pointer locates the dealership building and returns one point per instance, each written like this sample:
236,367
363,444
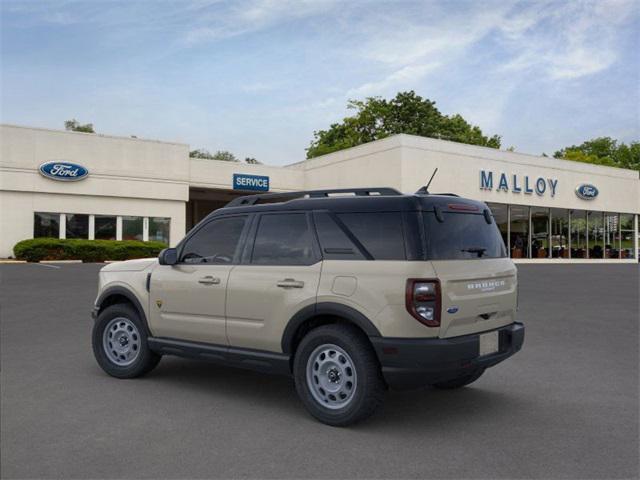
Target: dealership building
78,185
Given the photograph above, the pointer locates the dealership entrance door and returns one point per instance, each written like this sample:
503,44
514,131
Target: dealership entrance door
203,201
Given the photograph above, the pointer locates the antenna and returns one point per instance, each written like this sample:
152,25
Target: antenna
425,190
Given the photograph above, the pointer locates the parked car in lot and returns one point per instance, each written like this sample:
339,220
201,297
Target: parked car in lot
351,292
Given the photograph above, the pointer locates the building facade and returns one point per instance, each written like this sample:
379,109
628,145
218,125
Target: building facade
77,185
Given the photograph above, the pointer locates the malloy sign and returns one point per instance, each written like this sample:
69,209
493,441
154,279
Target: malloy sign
518,183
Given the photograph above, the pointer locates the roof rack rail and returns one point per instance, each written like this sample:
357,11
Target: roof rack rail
247,200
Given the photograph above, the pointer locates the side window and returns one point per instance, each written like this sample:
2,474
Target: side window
335,243
380,233
283,239
215,243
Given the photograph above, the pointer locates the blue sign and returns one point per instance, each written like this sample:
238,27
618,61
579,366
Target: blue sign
518,184
255,183
586,191
63,171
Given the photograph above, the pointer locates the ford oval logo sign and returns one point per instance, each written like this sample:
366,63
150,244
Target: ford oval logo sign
63,171
586,191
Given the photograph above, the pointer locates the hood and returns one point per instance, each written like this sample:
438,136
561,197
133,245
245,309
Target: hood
130,265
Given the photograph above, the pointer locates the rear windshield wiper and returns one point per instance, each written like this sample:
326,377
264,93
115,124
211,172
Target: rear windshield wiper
479,250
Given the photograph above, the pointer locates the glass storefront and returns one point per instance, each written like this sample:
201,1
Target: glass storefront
501,216
77,226
626,236
46,225
100,227
559,233
595,229
519,231
611,235
159,229
539,232
132,228
578,234
105,227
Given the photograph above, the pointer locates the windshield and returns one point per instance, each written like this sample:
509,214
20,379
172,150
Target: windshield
462,236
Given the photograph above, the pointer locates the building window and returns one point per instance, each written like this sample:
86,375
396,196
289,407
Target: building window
627,233
559,233
77,226
159,229
501,216
46,225
595,238
611,235
105,227
132,228
539,232
519,231
578,234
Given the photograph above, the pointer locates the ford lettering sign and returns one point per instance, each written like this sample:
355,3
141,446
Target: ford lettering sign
256,183
63,171
586,191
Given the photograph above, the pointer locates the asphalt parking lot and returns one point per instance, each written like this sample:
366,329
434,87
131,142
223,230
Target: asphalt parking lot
564,407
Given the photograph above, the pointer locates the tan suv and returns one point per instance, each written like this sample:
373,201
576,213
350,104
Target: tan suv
351,292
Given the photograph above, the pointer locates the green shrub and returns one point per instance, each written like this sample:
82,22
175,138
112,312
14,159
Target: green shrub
36,249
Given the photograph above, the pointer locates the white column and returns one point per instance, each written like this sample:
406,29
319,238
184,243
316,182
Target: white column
63,225
145,229
92,227
118,228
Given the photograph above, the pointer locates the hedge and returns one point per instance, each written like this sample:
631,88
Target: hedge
36,249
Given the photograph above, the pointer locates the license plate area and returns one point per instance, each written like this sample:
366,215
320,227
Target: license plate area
489,343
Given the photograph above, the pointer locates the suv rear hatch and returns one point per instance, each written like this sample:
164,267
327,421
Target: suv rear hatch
478,283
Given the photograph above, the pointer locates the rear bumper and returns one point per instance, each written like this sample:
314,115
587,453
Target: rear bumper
411,363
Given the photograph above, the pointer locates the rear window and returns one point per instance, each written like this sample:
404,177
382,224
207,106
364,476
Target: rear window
462,236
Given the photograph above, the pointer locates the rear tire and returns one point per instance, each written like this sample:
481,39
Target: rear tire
460,381
337,375
119,341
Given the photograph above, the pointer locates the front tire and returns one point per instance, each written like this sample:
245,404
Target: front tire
337,375
119,341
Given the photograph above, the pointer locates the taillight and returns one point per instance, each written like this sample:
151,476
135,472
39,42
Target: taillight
423,301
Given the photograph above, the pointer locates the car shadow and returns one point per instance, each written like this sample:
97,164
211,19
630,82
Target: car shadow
401,410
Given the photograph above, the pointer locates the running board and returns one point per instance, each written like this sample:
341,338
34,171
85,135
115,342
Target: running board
259,360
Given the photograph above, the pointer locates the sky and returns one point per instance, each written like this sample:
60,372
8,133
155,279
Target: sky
258,77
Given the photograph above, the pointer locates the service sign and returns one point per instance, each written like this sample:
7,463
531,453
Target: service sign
63,171
254,183
586,191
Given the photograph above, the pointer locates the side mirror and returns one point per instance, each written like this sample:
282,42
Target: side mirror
168,256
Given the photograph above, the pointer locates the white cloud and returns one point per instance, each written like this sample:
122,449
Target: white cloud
405,77
251,16
564,41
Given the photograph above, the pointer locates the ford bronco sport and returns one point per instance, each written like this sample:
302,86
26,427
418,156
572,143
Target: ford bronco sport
351,292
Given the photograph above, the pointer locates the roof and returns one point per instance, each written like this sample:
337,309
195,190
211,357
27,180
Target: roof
361,203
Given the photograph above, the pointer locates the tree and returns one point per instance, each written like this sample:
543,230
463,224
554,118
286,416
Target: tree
252,161
201,153
219,155
224,156
377,118
75,126
604,151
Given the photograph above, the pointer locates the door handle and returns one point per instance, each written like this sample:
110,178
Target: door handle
209,280
290,283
